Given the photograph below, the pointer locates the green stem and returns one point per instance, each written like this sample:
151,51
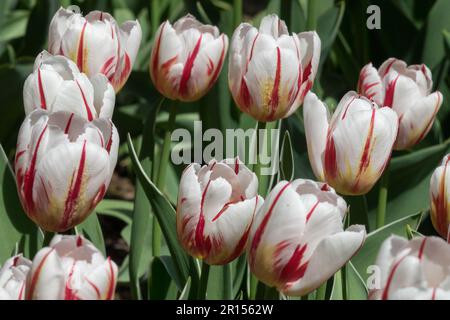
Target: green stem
48,236
237,14
311,18
382,199
154,15
344,282
285,11
161,178
228,282
201,294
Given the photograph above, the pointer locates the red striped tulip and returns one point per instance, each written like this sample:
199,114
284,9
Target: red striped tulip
187,58
440,197
63,167
96,43
270,71
297,240
71,268
407,90
13,278
413,270
56,84
351,150
216,206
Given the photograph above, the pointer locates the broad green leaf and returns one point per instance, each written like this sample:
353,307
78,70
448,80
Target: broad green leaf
409,181
367,254
14,25
165,214
141,226
160,282
220,283
356,288
14,224
437,22
91,229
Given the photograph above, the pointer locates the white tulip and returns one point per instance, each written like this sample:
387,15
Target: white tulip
216,206
270,71
63,166
297,241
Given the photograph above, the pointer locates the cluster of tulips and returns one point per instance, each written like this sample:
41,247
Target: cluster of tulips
295,238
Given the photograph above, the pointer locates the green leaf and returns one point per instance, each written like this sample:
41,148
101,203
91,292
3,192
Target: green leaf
14,224
437,21
160,282
165,214
91,229
368,253
219,283
409,182
356,288
185,292
14,25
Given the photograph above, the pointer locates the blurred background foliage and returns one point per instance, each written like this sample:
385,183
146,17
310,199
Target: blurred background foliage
413,30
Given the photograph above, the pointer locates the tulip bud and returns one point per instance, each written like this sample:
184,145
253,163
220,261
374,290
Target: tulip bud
63,166
270,71
187,58
71,268
440,197
13,278
96,43
297,240
56,84
413,270
351,150
407,90
216,206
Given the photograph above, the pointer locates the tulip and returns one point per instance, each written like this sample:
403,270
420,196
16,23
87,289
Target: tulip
440,197
407,90
187,58
63,167
216,206
270,71
56,84
71,268
96,43
297,240
351,150
415,269
13,277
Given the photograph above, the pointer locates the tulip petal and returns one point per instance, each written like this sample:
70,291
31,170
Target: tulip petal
417,120
315,115
329,256
370,84
104,96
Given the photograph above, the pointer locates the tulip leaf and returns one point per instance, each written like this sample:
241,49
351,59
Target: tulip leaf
367,254
220,282
165,214
160,282
14,224
356,288
91,229
409,182
185,292
438,21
